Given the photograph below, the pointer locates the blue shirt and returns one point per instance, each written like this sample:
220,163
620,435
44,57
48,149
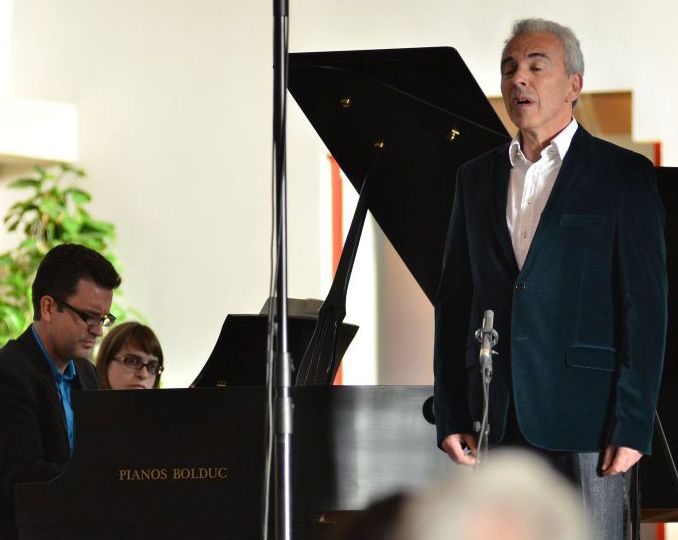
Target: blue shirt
63,383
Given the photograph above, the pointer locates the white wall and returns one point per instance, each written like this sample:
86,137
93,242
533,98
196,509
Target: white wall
6,7
174,104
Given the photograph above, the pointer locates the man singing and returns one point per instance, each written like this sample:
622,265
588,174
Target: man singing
561,234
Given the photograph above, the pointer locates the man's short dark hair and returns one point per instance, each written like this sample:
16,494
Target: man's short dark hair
65,265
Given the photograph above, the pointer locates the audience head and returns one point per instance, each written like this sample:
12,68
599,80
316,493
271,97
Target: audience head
513,496
130,357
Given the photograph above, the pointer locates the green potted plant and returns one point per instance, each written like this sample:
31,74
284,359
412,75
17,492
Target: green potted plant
53,213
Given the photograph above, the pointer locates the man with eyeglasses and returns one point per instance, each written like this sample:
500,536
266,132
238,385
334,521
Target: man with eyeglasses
72,295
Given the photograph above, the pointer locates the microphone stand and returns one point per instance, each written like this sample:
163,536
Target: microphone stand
487,337
282,371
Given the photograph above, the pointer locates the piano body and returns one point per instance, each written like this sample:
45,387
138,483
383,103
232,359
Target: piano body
176,464
189,463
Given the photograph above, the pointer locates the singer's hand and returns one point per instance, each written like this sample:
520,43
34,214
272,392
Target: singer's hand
454,446
619,459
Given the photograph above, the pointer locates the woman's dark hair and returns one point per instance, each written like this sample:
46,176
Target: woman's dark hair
130,333
65,265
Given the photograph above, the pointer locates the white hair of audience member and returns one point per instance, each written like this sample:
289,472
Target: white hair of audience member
513,495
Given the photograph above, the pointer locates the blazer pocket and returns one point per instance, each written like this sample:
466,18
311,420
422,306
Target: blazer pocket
600,358
582,219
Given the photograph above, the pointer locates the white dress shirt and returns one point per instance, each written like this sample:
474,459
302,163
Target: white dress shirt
530,186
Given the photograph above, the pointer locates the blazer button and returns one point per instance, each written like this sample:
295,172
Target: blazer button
519,287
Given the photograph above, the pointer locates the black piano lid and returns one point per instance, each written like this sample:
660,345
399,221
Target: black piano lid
239,356
414,101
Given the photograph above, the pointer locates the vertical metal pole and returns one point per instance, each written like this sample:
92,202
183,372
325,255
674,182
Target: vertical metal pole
283,399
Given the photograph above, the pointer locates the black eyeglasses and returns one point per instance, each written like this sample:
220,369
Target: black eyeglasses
89,318
132,361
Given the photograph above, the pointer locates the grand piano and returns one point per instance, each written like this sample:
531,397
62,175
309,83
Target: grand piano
189,463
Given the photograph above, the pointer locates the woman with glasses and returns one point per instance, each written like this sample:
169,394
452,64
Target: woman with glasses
129,358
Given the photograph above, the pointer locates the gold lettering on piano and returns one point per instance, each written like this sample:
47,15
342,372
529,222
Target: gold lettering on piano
200,473
132,475
174,474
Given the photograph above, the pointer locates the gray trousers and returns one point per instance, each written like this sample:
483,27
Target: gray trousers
605,498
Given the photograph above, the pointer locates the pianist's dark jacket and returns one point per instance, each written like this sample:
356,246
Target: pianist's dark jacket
33,439
582,326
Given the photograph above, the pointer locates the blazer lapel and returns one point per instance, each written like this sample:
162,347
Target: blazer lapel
501,173
37,358
55,401
568,175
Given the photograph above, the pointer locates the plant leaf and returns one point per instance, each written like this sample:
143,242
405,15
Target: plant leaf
100,226
21,183
78,196
71,224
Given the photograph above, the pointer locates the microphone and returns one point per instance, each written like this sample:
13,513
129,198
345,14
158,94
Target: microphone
488,337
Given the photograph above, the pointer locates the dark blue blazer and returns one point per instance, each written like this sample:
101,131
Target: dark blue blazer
581,327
